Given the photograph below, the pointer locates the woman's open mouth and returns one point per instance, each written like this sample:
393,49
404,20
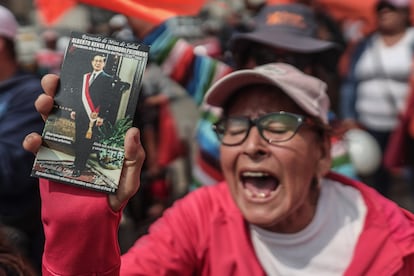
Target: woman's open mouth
259,184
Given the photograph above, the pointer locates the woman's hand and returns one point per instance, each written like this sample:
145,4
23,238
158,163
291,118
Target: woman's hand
134,152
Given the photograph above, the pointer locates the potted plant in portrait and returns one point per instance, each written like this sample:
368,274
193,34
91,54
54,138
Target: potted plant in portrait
110,138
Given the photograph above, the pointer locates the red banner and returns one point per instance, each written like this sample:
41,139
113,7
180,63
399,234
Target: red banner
154,11
50,11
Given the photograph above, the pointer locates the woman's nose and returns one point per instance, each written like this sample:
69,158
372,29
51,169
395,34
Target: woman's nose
255,145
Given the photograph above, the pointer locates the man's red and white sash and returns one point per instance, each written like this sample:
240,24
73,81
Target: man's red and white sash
88,104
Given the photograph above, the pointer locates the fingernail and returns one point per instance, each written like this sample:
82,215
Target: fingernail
28,138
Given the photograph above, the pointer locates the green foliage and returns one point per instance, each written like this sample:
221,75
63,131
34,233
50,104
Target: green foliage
114,135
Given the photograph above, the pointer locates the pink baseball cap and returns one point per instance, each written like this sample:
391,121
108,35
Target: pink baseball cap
8,23
307,91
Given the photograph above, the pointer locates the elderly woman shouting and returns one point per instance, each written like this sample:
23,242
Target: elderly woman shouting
279,211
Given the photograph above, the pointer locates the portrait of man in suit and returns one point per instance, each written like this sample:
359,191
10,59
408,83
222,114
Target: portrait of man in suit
94,106
97,103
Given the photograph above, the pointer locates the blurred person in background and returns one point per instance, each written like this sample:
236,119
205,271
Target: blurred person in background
158,93
19,192
49,58
285,33
12,262
375,89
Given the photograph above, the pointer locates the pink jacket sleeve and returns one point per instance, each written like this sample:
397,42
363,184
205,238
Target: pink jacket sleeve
82,237
70,248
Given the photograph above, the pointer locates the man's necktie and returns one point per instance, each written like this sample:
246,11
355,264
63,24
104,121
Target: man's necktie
92,79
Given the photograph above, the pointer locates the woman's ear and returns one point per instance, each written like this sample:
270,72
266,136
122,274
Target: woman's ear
325,161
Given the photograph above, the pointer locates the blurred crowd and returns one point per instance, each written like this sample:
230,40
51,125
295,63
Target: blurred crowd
369,79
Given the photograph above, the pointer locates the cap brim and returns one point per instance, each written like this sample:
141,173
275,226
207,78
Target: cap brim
292,42
223,89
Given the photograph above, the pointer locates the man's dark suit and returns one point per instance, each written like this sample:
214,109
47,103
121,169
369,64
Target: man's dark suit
101,93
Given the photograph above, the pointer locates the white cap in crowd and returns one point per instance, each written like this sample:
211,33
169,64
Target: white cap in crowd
8,23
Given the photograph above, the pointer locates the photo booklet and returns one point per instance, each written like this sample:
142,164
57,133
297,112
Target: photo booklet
83,137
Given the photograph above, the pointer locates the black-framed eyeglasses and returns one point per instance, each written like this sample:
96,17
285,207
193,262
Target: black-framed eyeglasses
273,127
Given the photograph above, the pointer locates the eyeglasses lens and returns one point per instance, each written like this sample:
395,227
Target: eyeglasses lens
273,127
